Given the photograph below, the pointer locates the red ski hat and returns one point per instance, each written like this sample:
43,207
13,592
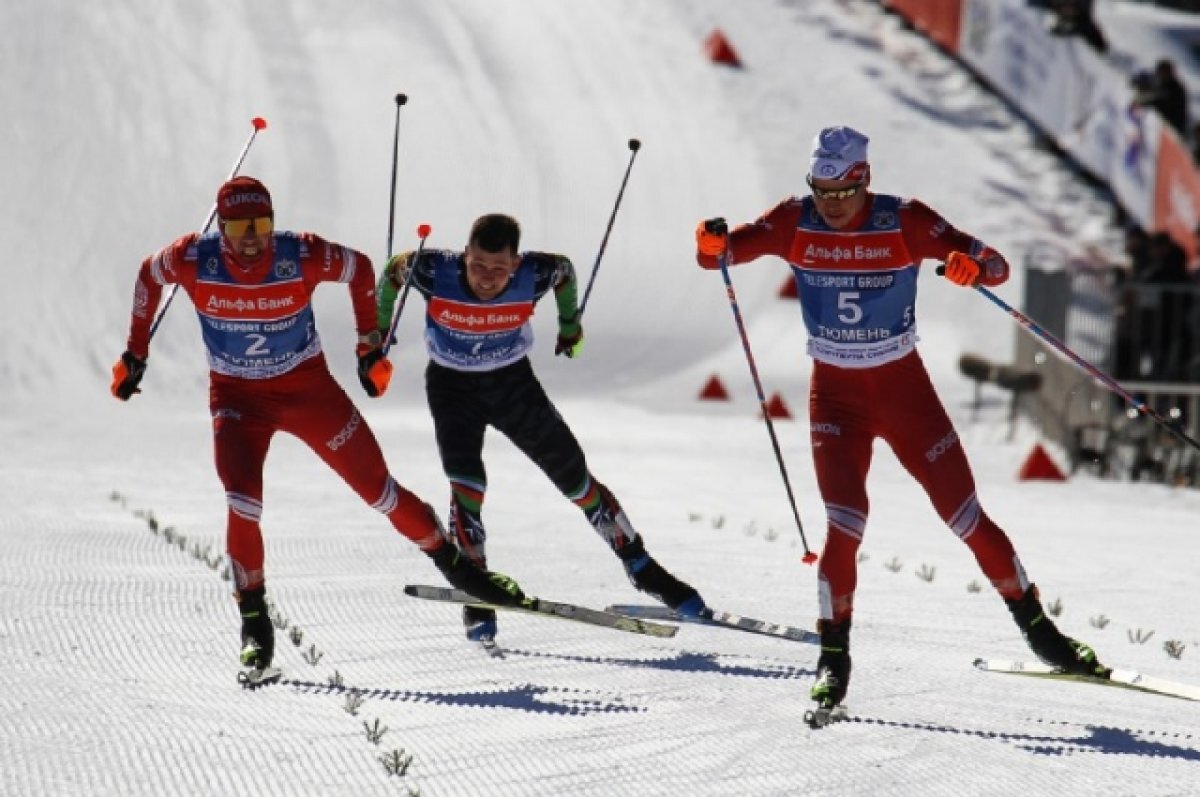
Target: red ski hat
243,198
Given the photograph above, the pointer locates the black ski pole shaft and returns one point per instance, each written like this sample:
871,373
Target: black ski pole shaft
634,146
723,262
422,233
400,100
259,124
1101,377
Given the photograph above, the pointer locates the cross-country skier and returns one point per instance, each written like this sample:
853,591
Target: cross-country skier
855,255
252,287
478,336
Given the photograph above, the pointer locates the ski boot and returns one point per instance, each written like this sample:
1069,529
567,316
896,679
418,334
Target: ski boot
833,665
833,674
485,585
650,577
480,623
258,638
1048,643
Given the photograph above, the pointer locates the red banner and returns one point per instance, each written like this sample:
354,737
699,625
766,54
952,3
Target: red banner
937,19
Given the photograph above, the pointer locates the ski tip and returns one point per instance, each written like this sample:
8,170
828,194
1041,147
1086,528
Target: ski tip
411,590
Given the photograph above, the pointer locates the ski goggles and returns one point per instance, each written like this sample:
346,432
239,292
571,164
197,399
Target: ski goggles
237,228
833,193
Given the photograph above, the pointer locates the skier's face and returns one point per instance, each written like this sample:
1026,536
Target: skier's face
838,201
248,238
488,273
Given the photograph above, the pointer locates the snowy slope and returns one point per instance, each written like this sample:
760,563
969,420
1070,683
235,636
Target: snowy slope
118,638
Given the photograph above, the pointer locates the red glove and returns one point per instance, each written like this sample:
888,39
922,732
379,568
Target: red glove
962,269
712,237
374,370
127,374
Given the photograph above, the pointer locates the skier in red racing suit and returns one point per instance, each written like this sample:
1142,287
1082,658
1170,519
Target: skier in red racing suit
252,287
854,255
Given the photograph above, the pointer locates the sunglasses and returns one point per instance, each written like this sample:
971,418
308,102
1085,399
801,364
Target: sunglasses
833,193
237,228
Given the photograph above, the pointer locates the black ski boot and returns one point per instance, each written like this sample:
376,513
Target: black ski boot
833,665
258,633
464,574
480,623
649,576
1048,643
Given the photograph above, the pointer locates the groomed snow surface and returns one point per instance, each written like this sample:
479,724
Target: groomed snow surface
118,635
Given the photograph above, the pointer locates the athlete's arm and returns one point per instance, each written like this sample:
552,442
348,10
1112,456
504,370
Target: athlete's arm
770,234
168,266
929,236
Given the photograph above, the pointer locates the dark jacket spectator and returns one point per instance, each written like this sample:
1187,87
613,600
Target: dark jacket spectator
1163,92
1074,18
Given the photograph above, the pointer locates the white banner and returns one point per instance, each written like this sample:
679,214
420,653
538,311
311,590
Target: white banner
1068,90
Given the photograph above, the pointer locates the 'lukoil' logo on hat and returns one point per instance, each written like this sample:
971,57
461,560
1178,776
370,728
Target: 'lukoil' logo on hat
233,200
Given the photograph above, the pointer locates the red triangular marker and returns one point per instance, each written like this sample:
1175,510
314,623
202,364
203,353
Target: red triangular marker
777,409
714,390
720,51
1038,465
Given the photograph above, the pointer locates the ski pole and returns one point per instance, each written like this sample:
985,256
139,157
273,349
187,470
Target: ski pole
400,100
1085,366
723,262
634,146
422,233
259,124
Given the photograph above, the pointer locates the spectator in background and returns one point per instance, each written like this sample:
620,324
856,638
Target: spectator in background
1165,263
1162,91
1137,250
1159,311
1074,18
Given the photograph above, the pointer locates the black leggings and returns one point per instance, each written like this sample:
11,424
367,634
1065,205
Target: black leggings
510,399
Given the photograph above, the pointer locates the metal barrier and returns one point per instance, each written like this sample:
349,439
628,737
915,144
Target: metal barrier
1148,338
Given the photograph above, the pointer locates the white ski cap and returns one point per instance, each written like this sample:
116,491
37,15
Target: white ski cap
839,153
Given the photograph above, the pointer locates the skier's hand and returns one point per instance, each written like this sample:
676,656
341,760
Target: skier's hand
570,337
712,237
374,370
127,374
962,269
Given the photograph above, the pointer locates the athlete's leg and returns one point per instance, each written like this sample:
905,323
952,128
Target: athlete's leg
521,410
322,415
918,429
841,448
459,424
241,438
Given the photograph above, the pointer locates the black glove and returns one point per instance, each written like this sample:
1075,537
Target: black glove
717,226
374,371
570,336
127,374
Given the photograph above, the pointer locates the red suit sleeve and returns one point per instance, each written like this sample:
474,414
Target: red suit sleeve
174,264
929,236
770,234
325,261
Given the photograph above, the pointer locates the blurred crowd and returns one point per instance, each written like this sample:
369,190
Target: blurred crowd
1158,285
